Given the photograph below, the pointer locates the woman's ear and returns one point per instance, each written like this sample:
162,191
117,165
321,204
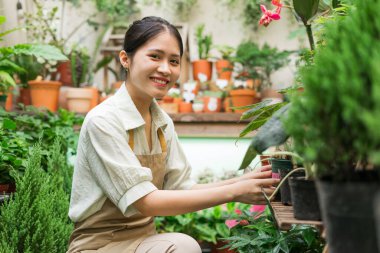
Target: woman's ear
124,59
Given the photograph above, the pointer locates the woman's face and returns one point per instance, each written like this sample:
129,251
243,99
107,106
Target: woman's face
154,68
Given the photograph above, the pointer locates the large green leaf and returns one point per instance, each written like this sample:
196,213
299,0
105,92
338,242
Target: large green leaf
272,133
10,67
46,52
305,9
261,116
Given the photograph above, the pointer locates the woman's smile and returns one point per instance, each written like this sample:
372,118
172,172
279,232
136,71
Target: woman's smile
160,82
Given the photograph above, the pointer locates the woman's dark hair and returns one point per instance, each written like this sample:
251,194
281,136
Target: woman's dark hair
145,29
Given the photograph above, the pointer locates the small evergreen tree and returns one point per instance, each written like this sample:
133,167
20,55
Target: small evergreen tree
35,219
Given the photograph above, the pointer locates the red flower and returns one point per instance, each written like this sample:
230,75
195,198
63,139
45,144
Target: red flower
238,211
268,15
277,3
244,223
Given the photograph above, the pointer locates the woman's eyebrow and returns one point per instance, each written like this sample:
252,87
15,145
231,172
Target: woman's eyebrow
163,52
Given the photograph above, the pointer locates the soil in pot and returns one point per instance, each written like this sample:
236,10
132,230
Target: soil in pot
304,199
348,214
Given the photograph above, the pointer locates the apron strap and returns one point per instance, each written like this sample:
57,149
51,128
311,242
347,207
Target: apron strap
161,137
131,141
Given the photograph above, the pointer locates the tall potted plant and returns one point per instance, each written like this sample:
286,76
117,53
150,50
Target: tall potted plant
330,125
224,64
202,66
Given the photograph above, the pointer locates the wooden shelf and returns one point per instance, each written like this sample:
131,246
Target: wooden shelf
220,117
224,125
285,217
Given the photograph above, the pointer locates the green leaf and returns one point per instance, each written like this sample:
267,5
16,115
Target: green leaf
46,52
272,133
6,78
253,109
248,157
305,9
2,19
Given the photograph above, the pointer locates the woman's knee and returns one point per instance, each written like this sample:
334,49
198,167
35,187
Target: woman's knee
185,243
169,243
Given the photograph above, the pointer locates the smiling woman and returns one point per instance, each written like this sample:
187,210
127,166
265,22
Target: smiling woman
130,166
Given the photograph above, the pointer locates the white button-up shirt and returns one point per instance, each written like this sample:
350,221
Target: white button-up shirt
106,167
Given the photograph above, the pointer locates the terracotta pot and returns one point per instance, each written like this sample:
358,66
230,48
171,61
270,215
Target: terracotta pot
9,101
79,99
45,93
221,66
227,104
64,69
95,96
212,104
24,97
198,107
242,97
4,188
202,66
185,107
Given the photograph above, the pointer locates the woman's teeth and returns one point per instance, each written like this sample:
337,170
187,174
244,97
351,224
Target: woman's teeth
159,81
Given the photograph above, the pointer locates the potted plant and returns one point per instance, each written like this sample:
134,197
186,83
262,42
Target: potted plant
254,229
202,66
259,63
340,141
224,64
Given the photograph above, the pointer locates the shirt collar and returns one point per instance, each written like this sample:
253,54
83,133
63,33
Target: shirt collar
130,116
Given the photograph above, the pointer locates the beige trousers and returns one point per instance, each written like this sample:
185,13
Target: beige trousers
159,243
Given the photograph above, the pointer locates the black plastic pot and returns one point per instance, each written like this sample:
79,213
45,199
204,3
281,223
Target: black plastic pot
283,167
377,217
348,215
304,199
276,174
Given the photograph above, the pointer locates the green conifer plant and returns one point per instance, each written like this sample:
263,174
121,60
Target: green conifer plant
35,218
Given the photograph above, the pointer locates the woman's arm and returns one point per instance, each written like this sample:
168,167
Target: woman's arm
174,202
264,173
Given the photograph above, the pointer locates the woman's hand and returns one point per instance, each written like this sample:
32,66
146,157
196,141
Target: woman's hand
261,172
250,191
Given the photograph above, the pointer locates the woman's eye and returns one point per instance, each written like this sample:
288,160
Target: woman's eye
154,56
176,62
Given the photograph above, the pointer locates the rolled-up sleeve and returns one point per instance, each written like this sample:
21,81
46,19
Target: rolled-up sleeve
114,165
178,171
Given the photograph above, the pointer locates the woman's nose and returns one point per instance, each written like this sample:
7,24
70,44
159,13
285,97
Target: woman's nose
164,68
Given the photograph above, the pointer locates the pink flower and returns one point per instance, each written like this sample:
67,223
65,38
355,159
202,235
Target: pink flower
238,211
257,208
231,223
268,15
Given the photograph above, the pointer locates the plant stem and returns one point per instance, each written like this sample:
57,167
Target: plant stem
283,180
310,36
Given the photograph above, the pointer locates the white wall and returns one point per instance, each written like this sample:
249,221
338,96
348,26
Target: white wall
225,24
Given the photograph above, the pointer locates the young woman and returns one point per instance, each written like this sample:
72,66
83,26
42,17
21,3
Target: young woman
130,166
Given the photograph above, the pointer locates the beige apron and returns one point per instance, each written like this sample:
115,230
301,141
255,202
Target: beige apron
109,225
